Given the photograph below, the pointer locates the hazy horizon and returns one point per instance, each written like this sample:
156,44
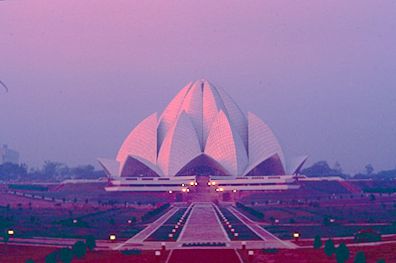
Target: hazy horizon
82,74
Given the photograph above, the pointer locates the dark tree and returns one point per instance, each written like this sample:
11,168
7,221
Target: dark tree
329,248
317,242
6,237
79,249
66,255
50,258
11,171
342,253
90,242
322,169
360,257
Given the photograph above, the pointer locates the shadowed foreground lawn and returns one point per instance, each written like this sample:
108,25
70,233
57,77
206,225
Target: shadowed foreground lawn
202,255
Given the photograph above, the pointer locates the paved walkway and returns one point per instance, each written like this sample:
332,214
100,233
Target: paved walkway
203,225
145,233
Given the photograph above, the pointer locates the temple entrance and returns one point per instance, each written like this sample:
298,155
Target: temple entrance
202,192
202,181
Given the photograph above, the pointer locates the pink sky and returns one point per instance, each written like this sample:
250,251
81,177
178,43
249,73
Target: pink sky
81,74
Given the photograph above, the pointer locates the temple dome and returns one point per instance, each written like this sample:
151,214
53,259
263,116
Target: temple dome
202,130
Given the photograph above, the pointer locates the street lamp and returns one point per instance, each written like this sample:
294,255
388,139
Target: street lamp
10,232
296,236
112,237
243,245
250,255
163,246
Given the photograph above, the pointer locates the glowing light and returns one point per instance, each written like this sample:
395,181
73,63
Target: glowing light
234,191
296,235
170,191
10,232
75,221
213,183
192,183
112,237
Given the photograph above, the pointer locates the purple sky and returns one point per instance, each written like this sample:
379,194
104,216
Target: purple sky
81,74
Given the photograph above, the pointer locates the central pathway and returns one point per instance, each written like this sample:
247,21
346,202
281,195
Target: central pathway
203,225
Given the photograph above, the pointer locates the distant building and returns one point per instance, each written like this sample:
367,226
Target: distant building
8,155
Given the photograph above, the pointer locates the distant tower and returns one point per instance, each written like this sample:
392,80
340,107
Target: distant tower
8,155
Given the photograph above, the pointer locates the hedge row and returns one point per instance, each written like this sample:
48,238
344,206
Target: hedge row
251,211
155,212
28,187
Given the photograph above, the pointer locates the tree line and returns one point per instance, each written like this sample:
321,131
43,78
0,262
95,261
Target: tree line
50,171
323,169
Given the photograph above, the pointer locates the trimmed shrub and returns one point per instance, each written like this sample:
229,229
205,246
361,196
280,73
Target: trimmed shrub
258,214
131,252
270,250
367,235
155,212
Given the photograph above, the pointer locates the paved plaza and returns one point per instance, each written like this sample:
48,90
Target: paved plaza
203,225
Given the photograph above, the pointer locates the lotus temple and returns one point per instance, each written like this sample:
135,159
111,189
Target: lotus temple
201,138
